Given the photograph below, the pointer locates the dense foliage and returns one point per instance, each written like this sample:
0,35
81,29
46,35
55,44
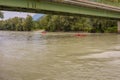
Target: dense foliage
76,23
17,24
59,23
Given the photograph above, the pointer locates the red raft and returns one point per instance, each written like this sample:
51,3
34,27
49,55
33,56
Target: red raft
80,35
43,32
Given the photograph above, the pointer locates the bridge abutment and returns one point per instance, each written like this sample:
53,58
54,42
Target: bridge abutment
118,26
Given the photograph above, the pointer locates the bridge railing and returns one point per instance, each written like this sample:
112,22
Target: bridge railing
109,2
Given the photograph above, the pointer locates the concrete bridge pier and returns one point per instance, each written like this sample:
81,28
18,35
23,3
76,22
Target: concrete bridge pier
118,26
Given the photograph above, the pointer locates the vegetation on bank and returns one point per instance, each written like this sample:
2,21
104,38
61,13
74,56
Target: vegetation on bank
76,23
55,23
17,24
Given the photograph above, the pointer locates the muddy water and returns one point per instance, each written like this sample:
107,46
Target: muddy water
59,56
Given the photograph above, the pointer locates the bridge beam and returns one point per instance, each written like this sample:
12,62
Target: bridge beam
118,26
40,6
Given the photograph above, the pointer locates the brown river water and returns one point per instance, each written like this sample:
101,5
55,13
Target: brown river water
59,56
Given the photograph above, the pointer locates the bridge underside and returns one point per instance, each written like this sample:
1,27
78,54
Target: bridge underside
39,6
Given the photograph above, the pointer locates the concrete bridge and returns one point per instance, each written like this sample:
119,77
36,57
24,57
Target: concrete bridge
92,8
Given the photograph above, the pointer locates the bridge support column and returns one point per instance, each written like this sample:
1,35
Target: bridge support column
118,26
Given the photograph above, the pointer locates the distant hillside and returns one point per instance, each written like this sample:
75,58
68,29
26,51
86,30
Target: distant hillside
37,16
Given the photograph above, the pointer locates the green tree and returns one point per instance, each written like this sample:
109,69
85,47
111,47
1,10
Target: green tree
28,23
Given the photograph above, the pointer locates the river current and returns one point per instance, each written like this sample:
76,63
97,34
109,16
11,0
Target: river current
59,56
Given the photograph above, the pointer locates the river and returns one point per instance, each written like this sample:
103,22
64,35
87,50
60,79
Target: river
59,56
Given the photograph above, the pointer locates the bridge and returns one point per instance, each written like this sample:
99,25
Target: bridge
93,8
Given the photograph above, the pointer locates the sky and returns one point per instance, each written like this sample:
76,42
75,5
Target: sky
10,14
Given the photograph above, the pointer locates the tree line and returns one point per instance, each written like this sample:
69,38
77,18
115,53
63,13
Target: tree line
56,23
17,24
76,23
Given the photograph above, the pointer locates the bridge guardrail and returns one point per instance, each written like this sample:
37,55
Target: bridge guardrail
109,2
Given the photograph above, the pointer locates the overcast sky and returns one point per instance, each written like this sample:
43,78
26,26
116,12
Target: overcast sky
9,14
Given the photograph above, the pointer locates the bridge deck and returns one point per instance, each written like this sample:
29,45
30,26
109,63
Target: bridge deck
65,7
